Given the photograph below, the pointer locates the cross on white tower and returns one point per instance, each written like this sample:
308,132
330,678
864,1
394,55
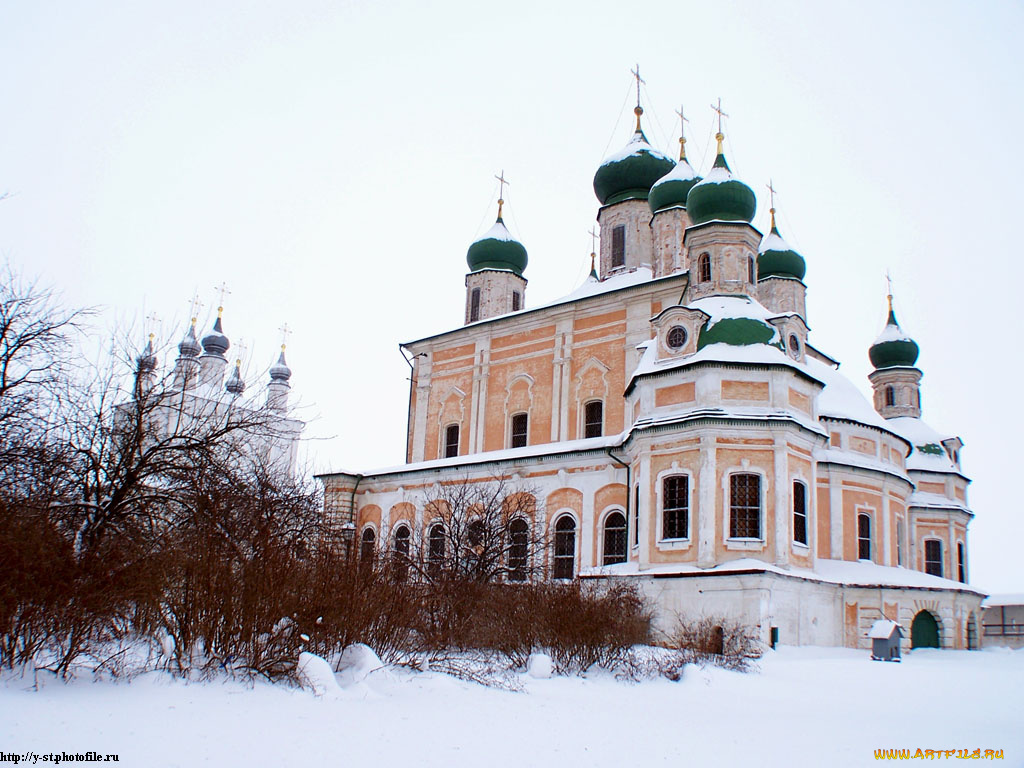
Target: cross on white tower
502,183
221,289
285,333
636,74
194,305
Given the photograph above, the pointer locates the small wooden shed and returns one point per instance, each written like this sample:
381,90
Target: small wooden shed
885,640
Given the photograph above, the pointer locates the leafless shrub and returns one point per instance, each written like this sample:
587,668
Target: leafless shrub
721,642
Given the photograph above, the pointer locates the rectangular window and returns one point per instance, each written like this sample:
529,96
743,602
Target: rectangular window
745,506
799,513
675,503
636,516
593,418
961,568
933,557
474,305
899,542
618,246
520,422
517,301
451,441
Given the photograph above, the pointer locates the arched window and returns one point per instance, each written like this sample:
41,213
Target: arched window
403,543
618,246
799,512
933,557
961,566
474,305
751,273
565,548
518,549
435,549
864,536
745,506
476,532
593,419
519,430
367,544
614,538
704,268
890,396
451,441
675,507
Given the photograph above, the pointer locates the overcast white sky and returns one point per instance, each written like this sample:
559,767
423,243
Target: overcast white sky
332,161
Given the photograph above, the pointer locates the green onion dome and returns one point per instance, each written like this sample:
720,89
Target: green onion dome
497,249
893,348
630,173
720,196
776,259
672,188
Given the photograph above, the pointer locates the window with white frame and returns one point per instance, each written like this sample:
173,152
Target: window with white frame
799,512
435,549
614,538
519,428
675,507
518,549
401,551
564,560
367,544
961,564
451,441
863,536
933,557
745,506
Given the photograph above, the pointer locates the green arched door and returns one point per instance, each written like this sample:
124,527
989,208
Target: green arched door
924,632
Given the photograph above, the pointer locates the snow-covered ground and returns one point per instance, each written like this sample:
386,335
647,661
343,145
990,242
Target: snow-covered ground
804,707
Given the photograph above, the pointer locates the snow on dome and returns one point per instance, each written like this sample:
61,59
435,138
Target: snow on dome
727,307
718,175
635,146
929,454
892,332
682,171
497,232
773,242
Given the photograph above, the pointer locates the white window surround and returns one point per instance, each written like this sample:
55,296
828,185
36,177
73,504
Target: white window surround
743,544
577,537
669,545
796,545
872,514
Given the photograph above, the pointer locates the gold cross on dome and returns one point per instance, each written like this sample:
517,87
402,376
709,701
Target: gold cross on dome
152,323
771,192
683,120
502,183
223,291
593,240
636,74
721,114
195,304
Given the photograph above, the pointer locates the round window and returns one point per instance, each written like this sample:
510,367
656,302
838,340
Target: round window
676,337
794,346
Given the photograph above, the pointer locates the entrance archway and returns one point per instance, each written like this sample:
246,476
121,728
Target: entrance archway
924,632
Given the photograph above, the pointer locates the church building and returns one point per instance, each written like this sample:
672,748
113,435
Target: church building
679,427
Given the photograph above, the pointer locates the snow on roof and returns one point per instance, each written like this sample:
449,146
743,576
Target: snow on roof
750,413
883,629
636,145
591,287
497,232
844,572
841,398
855,459
995,601
892,332
772,242
935,501
724,307
718,353
928,454
508,454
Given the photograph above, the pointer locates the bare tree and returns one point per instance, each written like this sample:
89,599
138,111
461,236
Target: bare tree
478,531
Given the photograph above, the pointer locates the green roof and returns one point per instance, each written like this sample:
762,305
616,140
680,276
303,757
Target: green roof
720,196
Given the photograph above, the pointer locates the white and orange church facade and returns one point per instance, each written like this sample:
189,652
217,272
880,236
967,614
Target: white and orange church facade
679,428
